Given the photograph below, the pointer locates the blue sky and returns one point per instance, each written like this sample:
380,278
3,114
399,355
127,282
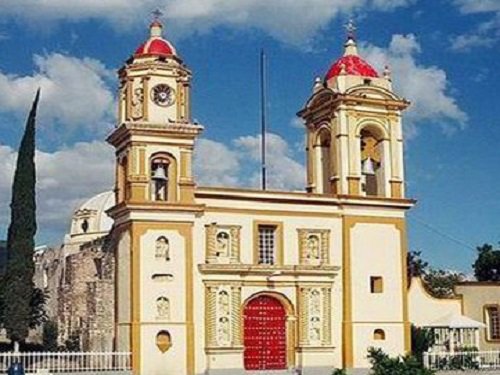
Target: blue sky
442,53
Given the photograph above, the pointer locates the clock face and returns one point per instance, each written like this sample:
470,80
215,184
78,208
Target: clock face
163,95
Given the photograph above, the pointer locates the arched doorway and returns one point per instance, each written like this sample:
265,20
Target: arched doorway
265,334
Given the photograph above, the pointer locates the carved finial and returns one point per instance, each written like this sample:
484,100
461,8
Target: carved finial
156,26
351,29
318,84
387,72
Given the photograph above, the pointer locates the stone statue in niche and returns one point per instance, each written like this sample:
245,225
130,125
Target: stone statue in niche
315,329
222,244
137,102
313,248
315,304
224,303
223,334
163,307
162,249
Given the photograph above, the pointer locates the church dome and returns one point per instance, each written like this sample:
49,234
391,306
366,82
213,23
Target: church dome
156,45
350,63
91,217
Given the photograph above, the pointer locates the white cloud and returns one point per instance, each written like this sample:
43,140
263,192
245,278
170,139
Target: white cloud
478,6
485,34
283,172
427,87
64,179
291,21
74,93
216,164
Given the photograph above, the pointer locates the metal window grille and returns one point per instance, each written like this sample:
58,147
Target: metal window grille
267,244
494,323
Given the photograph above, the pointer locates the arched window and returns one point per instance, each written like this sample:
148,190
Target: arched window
323,155
379,334
371,162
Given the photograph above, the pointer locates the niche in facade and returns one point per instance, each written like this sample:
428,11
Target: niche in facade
162,277
163,341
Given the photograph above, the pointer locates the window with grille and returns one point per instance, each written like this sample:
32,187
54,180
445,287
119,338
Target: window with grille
493,322
267,244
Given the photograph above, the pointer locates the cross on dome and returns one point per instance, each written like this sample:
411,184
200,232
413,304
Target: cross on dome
157,13
351,28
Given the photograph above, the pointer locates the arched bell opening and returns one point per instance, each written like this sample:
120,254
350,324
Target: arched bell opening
373,168
269,337
163,177
323,155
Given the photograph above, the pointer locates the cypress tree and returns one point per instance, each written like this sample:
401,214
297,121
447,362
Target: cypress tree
18,279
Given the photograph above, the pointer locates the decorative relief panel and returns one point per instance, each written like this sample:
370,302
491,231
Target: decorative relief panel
163,308
222,243
315,316
223,316
162,249
137,101
314,246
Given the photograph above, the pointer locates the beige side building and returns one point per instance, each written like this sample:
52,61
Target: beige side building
481,302
223,281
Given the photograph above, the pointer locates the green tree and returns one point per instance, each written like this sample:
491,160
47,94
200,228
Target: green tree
421,341
441,283
18,290
487,265
416,266
49,336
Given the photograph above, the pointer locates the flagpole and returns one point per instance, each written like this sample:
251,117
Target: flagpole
263,115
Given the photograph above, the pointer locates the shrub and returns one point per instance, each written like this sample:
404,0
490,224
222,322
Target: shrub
382,364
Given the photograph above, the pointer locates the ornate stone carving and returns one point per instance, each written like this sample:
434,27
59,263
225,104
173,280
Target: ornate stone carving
162,249
223,325
314,246
223,243
315,317
137,100
163,308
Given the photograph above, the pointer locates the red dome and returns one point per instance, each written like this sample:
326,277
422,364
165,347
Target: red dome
351,65
155,46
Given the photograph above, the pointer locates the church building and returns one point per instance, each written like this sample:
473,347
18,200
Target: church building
221,280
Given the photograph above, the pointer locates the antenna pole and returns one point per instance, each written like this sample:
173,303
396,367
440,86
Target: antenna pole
263,115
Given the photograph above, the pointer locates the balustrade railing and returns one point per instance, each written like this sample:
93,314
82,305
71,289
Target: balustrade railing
54,362
467,360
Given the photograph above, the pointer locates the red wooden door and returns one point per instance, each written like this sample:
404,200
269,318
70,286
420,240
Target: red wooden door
264,334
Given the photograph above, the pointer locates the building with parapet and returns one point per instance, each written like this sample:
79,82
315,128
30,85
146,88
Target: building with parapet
222,280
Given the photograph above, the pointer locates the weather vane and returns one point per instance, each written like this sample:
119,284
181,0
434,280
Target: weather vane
351,29
157,13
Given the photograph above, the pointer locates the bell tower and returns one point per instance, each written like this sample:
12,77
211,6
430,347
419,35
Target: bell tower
155,209
353,130
155,135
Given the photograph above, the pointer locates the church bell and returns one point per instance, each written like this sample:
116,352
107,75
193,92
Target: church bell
367,167
159,174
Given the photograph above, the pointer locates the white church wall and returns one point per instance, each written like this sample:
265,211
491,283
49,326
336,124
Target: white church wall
425,309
